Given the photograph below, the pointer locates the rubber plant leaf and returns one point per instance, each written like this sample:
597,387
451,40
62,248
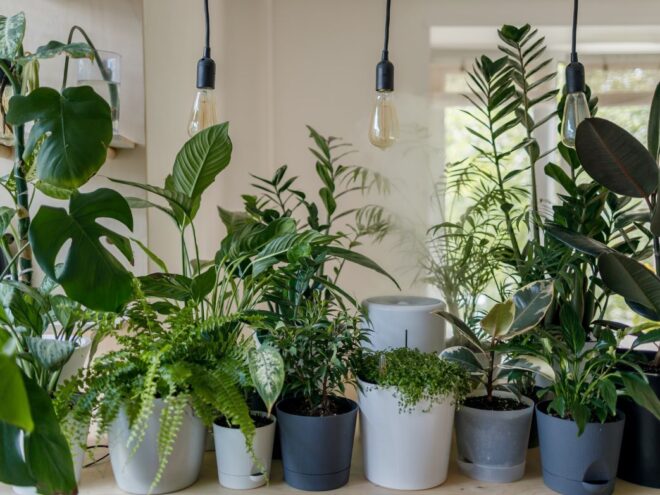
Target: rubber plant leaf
654,125
616,159
267,372
12,30
90,274
201,159
579,242
499,319
531,304
71,132
464,357
630,279
463,328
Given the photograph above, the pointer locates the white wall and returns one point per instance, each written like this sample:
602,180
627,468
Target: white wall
112,25
286,63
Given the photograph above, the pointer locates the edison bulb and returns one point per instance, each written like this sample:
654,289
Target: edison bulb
384,130
203,111
576,109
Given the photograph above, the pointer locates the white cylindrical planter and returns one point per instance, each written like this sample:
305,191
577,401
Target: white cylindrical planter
237,468
404,450
135,473
405,321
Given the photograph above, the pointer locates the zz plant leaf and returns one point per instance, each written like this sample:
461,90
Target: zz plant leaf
71,133
90,274
267,372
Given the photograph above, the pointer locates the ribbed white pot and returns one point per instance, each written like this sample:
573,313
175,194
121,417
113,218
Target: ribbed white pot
404,450
134,473
237,468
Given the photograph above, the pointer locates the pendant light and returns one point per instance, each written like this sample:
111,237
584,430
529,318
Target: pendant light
576,106
384,125
203,111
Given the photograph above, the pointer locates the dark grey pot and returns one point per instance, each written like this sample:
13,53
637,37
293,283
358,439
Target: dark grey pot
492,445
584,465
316,451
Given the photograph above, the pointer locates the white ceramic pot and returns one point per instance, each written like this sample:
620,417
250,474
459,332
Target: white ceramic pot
404,450
405,321
77,454
135,473
237,469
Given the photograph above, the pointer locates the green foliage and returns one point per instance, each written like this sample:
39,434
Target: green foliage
504,322
416,376
15,412
105,283
12,30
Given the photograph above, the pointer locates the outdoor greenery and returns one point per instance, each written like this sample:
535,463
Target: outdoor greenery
417,377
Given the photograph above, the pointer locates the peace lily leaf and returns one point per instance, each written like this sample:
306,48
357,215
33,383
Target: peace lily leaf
14,408
531,303
615,159
462,327
54,48
12,30
463,356
52,354
73,130
267,372
530,363
201,159
91,274
499,319
630,279
641,392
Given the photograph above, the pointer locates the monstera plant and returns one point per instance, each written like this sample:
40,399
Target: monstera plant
70,130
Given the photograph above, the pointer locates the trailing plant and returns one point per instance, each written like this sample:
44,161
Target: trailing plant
585,381
520,314
417,377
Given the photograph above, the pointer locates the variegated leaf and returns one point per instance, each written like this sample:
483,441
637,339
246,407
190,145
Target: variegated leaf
532,364
499,319
462,327
52,354
464,357
531,303
267,372
12,30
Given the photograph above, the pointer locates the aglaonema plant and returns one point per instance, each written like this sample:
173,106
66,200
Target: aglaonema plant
484,359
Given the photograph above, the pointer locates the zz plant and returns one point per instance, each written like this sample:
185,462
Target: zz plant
518,315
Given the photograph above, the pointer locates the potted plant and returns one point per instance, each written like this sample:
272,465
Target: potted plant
580,427
241,465
407,401
620,163
56,158
493,424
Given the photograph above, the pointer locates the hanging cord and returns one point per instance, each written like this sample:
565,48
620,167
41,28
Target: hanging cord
207,45
574,57
387,31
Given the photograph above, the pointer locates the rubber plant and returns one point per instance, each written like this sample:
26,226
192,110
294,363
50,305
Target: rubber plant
70,130
505,321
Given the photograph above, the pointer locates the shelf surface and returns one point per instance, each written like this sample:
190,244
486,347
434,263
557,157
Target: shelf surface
98,480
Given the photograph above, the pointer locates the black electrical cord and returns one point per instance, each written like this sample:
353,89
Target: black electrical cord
574,39
207,44
386,44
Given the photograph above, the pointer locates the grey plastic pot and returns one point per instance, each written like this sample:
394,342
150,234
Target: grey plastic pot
316,450
492,445
579,465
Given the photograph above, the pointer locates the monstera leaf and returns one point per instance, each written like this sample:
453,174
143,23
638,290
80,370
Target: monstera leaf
200,160
12,30
90,274
71,130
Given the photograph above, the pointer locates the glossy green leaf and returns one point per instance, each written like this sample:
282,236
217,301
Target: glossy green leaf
267,371
461,327
463,356
641,392
72,130
531,304
12,30
54,48
615,159
91,274
13,469
630,279
167,286
14,406
577,241
201,159
499,319
532,364
654,125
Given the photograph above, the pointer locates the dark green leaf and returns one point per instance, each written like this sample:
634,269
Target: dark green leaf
630,279
577,241
14,407
462,327
359,259
167,286
654,125
641,393
13,469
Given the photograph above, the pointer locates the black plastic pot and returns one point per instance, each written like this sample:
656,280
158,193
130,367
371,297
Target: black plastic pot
316,450
640,459
579,465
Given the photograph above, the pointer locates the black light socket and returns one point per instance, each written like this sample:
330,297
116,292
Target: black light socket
575,81
385,75
206,73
